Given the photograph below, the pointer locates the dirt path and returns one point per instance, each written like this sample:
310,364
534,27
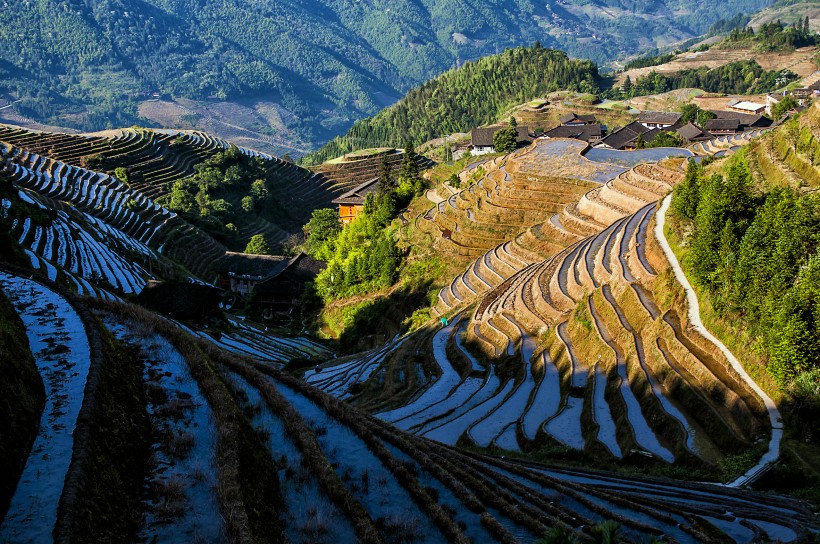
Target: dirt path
694,318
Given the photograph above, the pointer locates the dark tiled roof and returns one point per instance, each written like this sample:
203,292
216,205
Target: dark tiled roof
659,117
625,135
693,132
570,117
484,136
357,195
180,300
722,124
297,271
746,119
583,132
248,265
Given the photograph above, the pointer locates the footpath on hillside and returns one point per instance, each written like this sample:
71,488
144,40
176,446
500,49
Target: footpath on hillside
694,318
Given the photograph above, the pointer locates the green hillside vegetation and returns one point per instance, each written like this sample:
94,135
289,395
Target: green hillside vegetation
741,77
755,251
653,60
88,64
363,256
460,99
225,190
775,36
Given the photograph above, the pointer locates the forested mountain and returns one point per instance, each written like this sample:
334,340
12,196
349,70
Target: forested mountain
473,95
88,64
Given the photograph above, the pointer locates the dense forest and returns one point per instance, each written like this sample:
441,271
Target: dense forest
87,64
756,251
473,95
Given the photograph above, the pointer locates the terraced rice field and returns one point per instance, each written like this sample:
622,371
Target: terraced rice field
344,475
62,353
589,213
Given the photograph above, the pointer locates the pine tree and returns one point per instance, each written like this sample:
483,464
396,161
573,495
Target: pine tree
386,182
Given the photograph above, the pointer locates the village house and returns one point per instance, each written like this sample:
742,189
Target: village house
575,120
351,203
746,121
481,139
590,133
281,292
628,137
240,272
721,127
659,119
746,106
801,96
691,133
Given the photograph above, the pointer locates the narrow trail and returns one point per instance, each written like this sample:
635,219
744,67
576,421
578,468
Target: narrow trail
694,318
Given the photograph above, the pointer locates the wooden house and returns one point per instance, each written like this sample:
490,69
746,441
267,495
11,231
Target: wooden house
240,272
281,292
591,133
351,203
575,120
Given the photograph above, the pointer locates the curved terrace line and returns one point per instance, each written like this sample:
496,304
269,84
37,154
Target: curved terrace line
694,317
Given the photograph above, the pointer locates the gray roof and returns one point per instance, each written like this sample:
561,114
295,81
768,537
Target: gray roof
484,136
582,132
659,117
626,135
569,117
722,124
692,132
745,119
357,195
248,265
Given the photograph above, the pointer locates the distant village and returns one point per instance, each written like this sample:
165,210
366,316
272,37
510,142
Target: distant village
739,116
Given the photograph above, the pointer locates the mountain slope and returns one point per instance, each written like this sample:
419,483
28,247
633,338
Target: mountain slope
307,69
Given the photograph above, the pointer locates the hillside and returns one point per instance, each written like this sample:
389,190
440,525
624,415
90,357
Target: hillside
460,99
570,340
243,452
571,336
173,169
289,77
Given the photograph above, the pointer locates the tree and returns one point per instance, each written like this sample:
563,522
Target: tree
409,170
321,231
559,535
513,123
386,182
781,108
247,203
639,143
666,138
258,245
606,532
689,113
121,173
454,181
705,115
626,88
505,140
